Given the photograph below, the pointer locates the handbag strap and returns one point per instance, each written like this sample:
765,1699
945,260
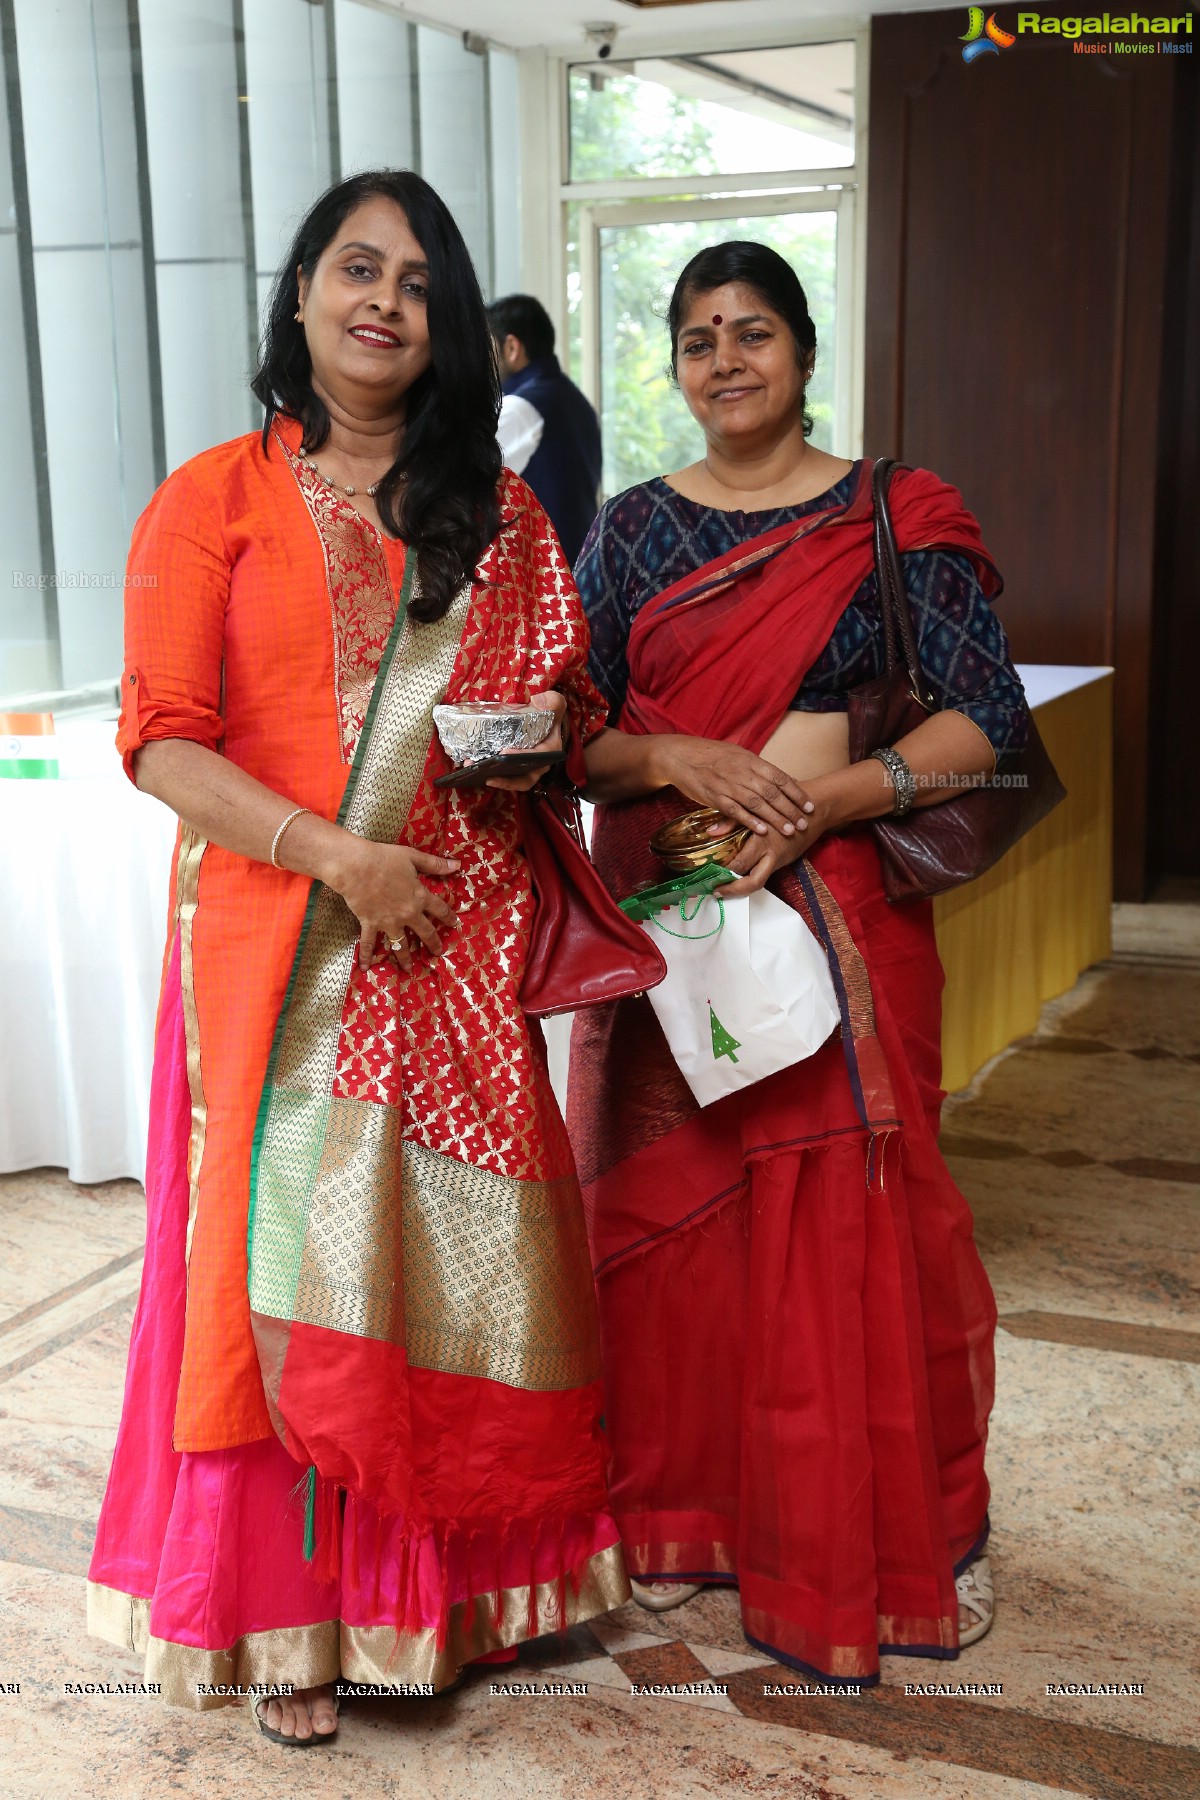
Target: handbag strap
562,800
893,597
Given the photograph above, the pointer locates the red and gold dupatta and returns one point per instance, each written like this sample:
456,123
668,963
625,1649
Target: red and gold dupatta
416,1244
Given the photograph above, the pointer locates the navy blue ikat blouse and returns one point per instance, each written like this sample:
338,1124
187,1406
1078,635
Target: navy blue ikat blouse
650,536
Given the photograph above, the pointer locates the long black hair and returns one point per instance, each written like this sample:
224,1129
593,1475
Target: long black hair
440,493
755,266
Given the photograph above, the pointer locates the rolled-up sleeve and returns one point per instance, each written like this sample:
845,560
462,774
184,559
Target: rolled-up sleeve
176,592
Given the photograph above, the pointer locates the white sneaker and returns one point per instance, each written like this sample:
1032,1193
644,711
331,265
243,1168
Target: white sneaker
976,1593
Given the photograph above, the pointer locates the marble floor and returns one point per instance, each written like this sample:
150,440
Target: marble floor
1080,1151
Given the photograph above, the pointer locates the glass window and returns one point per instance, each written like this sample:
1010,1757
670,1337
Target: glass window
504,112
377,93
670,155
453,137
154,163
722,113
647,428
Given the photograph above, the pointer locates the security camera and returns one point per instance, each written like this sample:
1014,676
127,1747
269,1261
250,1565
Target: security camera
603,35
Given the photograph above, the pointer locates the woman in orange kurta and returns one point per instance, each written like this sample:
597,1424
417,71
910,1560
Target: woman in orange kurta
370,1447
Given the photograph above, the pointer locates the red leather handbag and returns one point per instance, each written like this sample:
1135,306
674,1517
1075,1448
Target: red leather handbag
583,950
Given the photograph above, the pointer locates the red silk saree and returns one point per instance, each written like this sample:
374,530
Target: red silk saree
795,1324
361,1432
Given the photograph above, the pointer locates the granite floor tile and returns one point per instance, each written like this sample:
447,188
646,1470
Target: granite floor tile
731,1662
54,1302
712,1617
1104,1334
1095,1484
48,1330
46,1540
1085,1240
42,1245
675,1666
601,1671
1095,1474
608,1745
1076,1758
616,1636
1094,1103
1164,933
58,1423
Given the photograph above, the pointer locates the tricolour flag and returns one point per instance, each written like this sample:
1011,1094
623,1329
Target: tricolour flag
28,747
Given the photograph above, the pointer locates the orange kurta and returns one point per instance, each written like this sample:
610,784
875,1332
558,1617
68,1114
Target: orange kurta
255,623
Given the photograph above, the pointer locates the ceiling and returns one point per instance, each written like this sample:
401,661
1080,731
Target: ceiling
559,24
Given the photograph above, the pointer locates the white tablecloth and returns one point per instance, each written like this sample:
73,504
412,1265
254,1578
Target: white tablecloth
83,913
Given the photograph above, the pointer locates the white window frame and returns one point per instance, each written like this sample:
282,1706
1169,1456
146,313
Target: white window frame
545,152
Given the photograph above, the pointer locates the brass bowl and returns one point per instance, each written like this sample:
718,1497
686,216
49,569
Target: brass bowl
683,843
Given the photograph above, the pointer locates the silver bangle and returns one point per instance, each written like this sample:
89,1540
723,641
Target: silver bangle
904,782
275,841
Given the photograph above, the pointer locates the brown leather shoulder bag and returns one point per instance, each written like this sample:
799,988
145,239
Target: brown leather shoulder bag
938,847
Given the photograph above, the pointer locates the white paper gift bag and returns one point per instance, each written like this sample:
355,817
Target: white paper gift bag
747,993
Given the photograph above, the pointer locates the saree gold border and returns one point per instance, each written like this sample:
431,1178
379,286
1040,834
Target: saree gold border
372,1653
294,1144
309,1655
386,786
187,888
497,1275
120,1619
676,1560
897,1628
844,1662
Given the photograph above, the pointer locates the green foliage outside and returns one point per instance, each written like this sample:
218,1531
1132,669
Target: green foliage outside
647,428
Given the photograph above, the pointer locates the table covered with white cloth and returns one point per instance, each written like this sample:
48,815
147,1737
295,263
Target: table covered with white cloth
83,916
83,912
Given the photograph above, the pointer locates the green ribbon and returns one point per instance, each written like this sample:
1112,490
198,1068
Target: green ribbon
310,1514
694,937
694,884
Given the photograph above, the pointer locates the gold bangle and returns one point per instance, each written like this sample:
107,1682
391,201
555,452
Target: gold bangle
275,841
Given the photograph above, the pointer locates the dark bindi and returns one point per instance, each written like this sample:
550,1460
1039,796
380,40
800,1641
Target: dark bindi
717,319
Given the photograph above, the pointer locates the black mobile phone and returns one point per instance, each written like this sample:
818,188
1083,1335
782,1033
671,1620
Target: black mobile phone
517,762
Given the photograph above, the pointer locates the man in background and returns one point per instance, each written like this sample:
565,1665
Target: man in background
548,431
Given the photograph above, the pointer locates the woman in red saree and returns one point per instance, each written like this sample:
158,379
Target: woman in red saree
361,1433
796,1327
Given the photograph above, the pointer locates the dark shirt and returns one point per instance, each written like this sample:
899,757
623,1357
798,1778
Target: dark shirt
650,537
564,470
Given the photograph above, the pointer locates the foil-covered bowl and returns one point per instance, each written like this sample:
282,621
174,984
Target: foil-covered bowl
479,729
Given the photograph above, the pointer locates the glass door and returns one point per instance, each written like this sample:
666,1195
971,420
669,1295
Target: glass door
630,256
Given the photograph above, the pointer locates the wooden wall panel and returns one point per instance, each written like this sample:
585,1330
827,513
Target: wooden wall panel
1016,265
1175,676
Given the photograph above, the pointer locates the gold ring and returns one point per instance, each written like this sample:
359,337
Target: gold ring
398,944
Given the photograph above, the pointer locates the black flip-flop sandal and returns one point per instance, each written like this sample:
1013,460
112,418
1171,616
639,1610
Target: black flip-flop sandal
293,1743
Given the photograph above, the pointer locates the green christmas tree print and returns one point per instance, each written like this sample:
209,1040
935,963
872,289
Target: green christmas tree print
723,1042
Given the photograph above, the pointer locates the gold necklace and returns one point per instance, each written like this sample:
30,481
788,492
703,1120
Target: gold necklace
347,488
